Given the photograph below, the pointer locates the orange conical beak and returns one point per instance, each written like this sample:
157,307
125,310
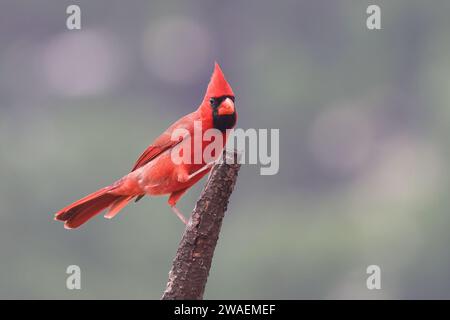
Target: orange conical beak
226,107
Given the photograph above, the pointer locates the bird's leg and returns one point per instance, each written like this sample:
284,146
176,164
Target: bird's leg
179,214
204,168
183,176
173,199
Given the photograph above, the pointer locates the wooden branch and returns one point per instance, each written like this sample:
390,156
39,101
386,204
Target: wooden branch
190,269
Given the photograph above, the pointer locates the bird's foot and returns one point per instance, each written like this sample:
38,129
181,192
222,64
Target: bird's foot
232,156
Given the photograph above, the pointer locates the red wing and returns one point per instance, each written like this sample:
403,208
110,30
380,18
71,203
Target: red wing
153,151
164,141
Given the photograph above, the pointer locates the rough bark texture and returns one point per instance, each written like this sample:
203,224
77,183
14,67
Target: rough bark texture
190,269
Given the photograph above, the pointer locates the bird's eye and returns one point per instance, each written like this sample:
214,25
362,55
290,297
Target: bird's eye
212,100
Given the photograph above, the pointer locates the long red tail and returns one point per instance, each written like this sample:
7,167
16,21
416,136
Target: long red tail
84,209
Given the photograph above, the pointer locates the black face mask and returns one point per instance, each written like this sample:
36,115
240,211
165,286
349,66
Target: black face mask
222,122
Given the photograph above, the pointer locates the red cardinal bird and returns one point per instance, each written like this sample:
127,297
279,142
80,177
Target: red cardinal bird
154,173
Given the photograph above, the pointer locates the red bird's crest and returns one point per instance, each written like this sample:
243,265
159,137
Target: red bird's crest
218,85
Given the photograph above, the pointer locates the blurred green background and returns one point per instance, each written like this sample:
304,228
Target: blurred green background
364,123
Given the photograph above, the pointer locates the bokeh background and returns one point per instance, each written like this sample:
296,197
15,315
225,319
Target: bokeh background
364,124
